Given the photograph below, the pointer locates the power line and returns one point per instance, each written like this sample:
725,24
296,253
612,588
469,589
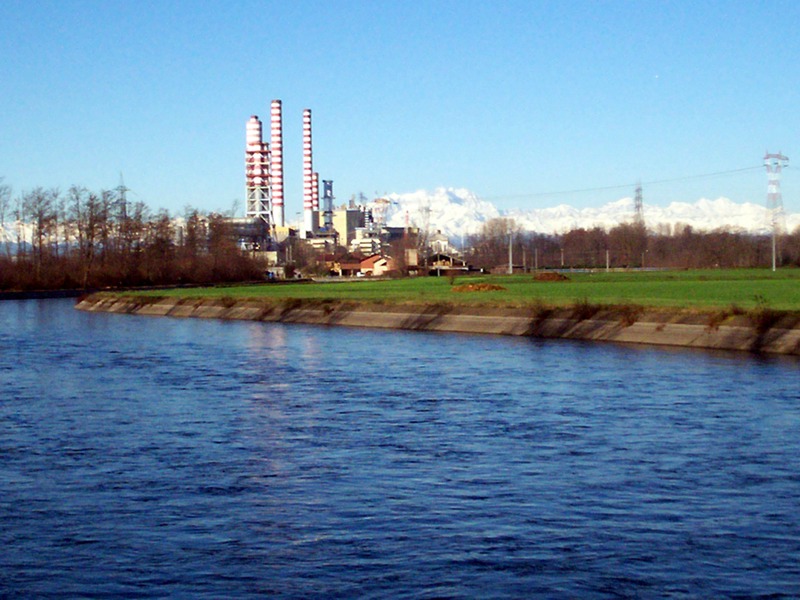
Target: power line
703,176
626,185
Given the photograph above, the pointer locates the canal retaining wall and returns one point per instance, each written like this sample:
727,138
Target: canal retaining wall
765,333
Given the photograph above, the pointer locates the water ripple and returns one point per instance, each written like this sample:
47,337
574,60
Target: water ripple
152,458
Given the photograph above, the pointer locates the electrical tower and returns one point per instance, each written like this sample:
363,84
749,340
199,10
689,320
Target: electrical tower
775,164
122,199
638,207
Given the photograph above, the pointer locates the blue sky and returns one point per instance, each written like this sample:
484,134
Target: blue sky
511,99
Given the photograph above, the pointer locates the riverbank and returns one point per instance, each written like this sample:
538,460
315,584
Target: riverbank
764,331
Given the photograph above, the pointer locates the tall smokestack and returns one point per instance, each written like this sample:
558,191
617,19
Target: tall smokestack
315,197
308,176
253,134
276,163
256,171
315,191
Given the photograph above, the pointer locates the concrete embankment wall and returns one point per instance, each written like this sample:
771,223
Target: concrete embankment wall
656,328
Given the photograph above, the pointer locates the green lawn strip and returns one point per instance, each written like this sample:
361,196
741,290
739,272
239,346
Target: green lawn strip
683,294
712,289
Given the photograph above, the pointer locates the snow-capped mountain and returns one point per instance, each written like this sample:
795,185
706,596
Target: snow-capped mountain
10,231
457,212
452,211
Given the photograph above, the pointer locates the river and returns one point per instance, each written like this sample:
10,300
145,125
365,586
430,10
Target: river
147,457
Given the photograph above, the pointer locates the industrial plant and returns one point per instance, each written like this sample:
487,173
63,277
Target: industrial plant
353,239
338,233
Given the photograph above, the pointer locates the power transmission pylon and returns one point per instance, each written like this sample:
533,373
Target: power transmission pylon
775,164
122,199
638,206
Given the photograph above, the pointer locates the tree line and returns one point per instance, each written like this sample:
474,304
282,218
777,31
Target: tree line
628,245
83,239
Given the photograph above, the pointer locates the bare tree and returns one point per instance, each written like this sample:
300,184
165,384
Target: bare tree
193,244
490,246
39,206
86,212
628,244
106,225
159,249
53,232
585,248
5,204
193,234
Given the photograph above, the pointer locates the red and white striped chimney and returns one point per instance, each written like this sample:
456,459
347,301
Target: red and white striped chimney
253,136
315,191
276,163
256,168
308,176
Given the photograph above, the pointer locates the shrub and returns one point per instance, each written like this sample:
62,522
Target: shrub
630,313
762,317
583,309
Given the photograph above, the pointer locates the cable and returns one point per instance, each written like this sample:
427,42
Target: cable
625,186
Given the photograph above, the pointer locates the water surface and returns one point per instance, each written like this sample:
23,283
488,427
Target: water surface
154,457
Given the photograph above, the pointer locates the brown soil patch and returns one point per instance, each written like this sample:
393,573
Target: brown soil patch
478,287
550,276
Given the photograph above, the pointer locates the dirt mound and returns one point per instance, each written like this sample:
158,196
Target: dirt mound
550,276
478,287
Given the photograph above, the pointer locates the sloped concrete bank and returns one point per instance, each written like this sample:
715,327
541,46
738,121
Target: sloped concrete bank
768,333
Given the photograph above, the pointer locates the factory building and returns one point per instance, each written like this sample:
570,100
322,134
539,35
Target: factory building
264,228
345,222
264,177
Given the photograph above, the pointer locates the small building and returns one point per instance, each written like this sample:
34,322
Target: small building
377,265
344,265
446,264
367,241
439,243
322,244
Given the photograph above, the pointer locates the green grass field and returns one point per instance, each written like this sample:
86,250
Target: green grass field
702,289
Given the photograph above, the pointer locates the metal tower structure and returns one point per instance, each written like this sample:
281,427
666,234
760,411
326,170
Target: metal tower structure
775,164
257,157
379,209
122,199
638,206
327,204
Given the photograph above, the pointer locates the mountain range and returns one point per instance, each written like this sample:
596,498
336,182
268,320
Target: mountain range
458,212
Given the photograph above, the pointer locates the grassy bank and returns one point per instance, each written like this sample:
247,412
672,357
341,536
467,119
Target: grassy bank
744,289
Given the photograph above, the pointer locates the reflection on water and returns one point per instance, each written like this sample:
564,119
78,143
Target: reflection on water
151,457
